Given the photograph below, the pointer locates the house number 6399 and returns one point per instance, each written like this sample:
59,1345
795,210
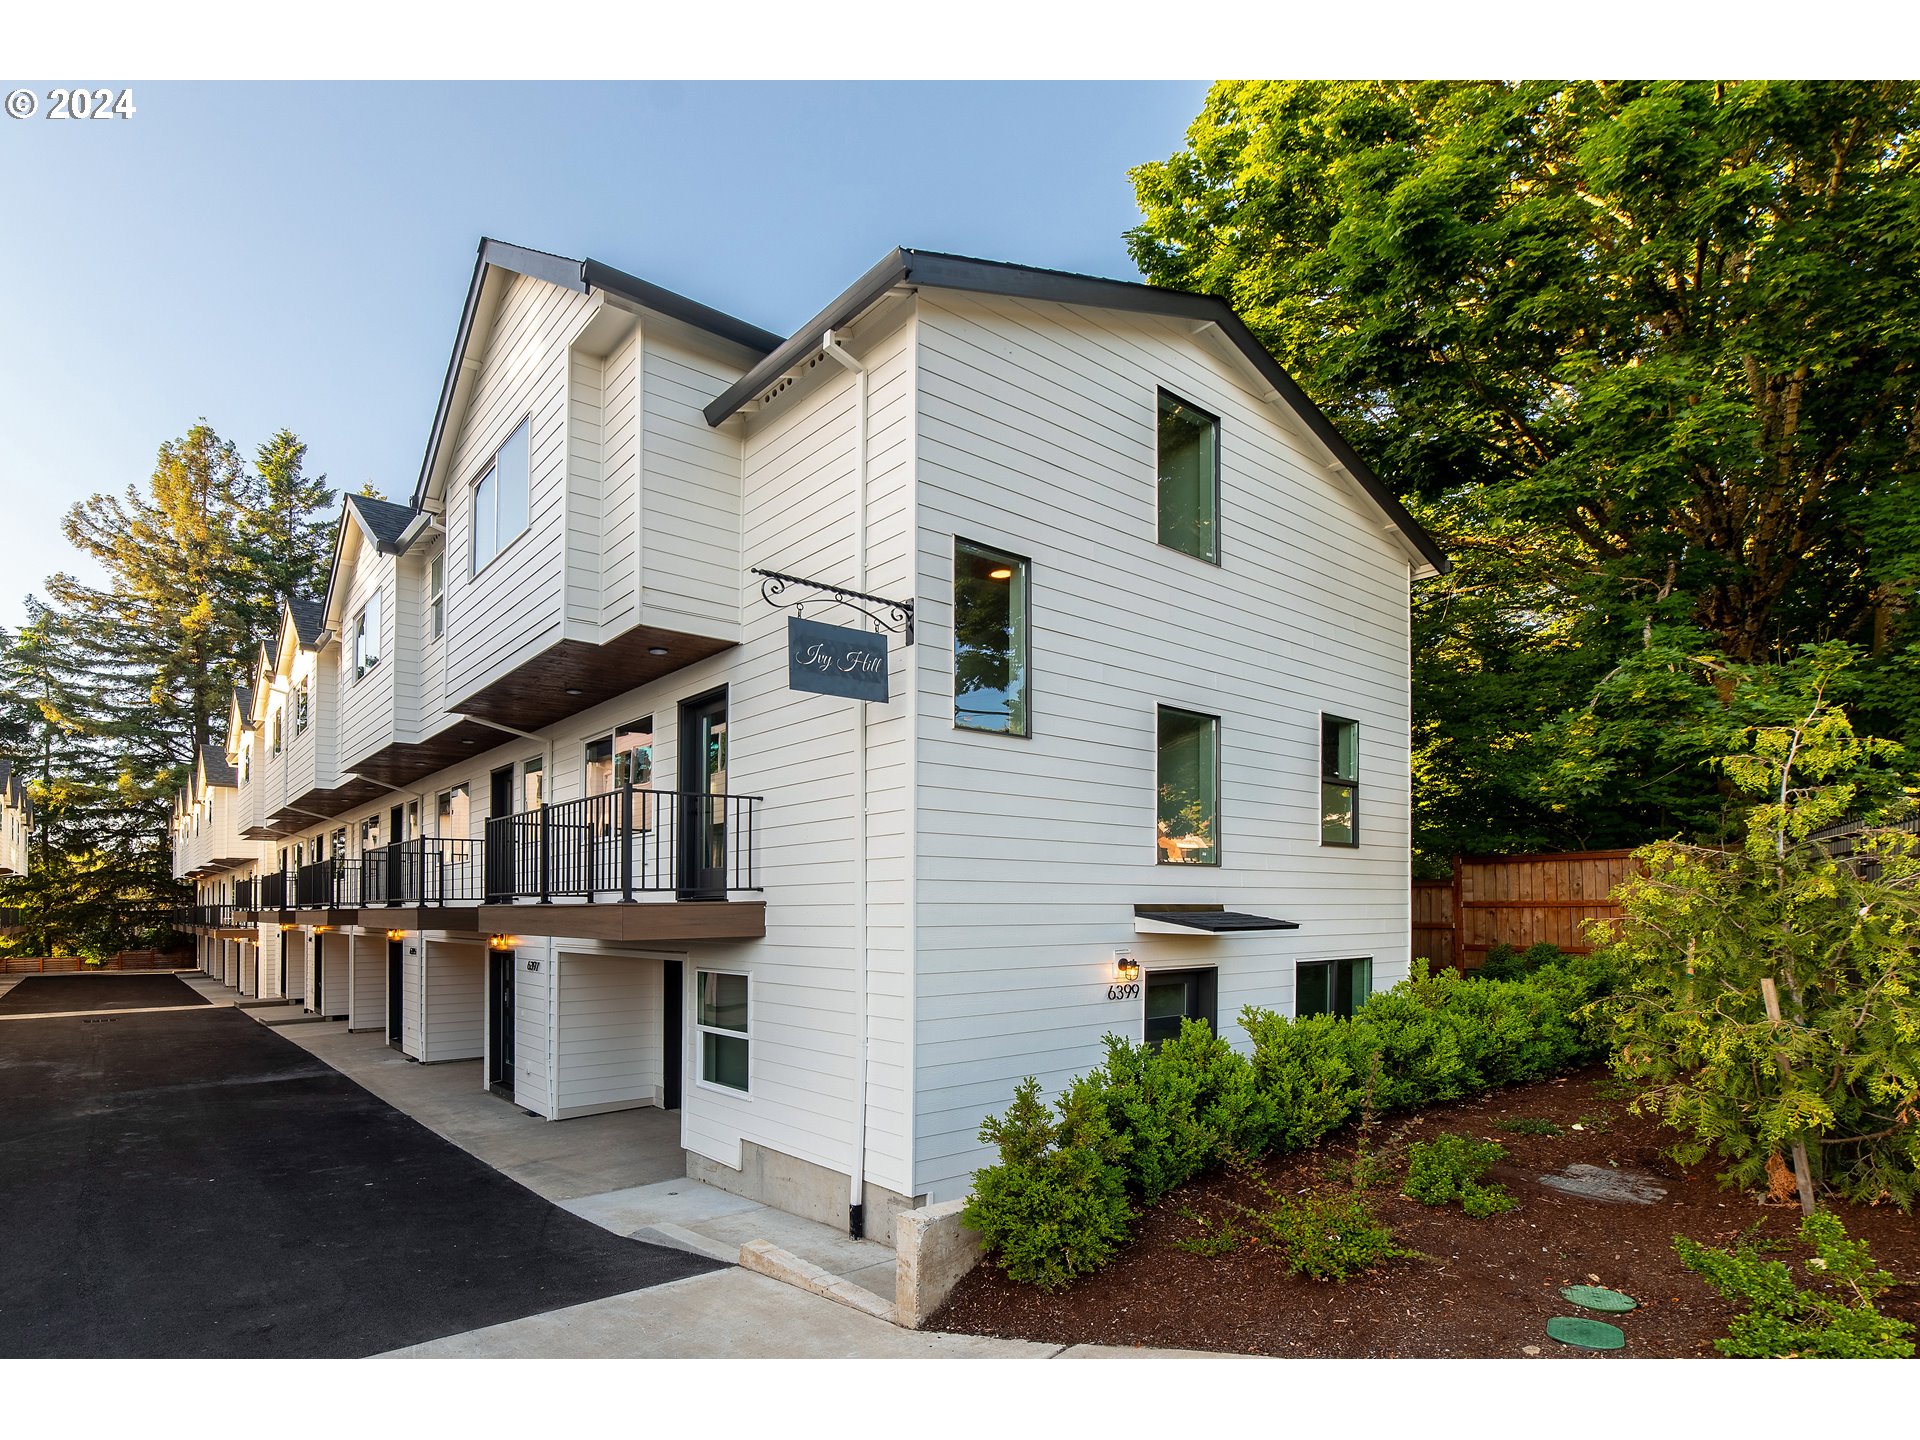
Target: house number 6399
1128,991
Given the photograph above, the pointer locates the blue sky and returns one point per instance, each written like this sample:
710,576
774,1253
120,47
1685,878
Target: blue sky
297,254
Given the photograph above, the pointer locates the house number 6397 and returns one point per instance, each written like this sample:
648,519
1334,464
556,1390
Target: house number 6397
1128,991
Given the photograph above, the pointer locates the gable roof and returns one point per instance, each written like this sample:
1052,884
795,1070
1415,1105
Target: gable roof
309,620
581,277
941,271
384,521
214,766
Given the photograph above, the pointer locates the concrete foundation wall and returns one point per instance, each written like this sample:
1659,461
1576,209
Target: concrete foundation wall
932,1251
800,1187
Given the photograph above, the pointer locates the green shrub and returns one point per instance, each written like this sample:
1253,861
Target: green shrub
1182,1106
1449,1168
1328,1235
1306,1067
1837,1320
1055,1206
1504,962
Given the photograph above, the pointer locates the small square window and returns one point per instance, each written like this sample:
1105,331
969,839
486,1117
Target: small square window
1339,781
1188,453
1331,987
722,1020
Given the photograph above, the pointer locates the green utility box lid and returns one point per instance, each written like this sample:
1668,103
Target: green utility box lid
1598,1297
1586,1334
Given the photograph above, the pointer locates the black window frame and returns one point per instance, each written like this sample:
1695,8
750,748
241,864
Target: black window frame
1219,745
1162,393
1329,777
1206,980
1024,578
1333,966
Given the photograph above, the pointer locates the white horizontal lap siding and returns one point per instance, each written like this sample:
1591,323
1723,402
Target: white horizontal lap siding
335,988
514,607
585,518
368,704
456,985
367,995
799,751
620,402
1036,433
532,1007
608,1042
690,487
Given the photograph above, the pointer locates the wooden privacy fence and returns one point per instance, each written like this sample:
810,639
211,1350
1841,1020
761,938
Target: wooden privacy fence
72,964
1516,900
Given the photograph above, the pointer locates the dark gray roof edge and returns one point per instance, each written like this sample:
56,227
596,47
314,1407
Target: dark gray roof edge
998,277
384,520
580,276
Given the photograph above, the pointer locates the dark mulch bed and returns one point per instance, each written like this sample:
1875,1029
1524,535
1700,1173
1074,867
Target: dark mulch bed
1486,1289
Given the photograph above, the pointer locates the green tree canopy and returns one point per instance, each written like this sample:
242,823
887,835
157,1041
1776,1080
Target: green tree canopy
1642,354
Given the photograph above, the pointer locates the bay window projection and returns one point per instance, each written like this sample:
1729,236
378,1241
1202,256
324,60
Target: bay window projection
1339,781
500,499
1188,786
990,640
1331,987
722,1023
1189,470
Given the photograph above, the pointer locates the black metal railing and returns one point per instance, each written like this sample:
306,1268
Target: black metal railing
246,894
423,872
197,916
274,891
318,885
627,842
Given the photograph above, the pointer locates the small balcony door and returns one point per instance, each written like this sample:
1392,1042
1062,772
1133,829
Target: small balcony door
703,807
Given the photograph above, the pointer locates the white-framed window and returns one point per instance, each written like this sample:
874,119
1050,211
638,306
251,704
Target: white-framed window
533,783
366,636
273,731
437,596
302,704
369,834
722,1001
500,506
452,814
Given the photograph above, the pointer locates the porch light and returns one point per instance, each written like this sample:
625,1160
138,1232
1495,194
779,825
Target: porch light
396,934
1126,969
500,942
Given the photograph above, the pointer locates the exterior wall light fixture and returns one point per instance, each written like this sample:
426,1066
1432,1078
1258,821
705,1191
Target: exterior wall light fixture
1126,969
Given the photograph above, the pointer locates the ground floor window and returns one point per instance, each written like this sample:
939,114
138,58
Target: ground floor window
1176,995
1331,987
722,1021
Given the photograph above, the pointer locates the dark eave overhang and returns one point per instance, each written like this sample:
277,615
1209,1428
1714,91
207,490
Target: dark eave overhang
994,277
579,276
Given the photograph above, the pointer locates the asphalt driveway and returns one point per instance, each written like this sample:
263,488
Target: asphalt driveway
192,1184
111,990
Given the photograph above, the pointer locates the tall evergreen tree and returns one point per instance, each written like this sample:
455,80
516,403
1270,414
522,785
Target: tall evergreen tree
287,530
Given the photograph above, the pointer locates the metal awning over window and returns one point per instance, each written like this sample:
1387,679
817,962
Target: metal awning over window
1202,920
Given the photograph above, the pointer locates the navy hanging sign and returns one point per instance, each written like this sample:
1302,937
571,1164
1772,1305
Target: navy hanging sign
833,660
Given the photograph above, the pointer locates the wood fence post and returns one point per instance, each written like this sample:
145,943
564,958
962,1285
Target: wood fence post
1458,916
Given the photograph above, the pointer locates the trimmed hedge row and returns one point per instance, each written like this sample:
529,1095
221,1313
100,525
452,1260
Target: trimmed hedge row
1061,1200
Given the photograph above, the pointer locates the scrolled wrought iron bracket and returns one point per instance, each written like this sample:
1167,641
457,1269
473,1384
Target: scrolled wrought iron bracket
893,616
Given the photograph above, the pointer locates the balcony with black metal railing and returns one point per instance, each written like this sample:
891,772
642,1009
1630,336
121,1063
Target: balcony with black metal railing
582,867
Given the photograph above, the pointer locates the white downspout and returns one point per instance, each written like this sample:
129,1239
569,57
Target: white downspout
857,1169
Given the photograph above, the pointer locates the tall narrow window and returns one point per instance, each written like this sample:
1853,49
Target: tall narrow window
451,812
990,640
437,596
500,498
1188,782
1339,781
1331,987
273,731
1189,464
366,636
533,784
302,704
722,1023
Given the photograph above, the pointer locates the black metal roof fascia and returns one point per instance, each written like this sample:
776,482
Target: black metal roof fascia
1216,922
891,271
998,277
579,276
678,307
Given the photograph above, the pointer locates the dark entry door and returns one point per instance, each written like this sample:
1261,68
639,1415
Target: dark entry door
283,965
396,995
317,1001
703,806
1176,995
670,1040
499,860
500,1021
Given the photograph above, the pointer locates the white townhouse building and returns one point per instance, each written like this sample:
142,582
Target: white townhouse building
812,736
16,823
